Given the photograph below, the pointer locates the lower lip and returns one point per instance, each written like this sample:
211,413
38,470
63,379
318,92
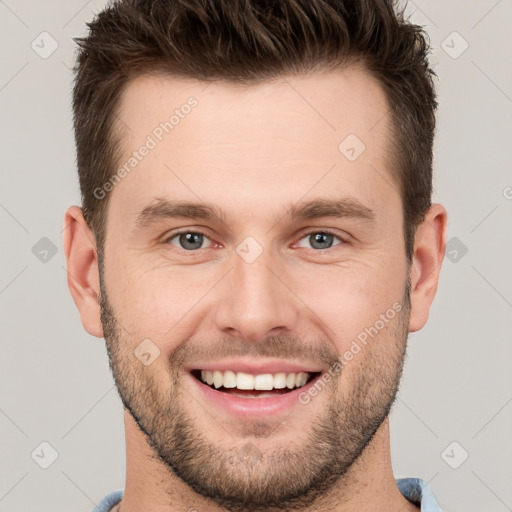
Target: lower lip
252,407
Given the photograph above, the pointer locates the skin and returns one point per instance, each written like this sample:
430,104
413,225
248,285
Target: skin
253,152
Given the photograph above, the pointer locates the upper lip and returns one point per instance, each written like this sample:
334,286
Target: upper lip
257,366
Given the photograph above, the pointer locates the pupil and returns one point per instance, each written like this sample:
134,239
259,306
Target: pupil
191,241
320,238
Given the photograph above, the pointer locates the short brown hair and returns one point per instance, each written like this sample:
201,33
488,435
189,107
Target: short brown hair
246,41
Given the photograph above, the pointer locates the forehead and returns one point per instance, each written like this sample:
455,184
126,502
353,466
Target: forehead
333,102
276,141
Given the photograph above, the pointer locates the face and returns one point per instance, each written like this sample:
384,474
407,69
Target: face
244,242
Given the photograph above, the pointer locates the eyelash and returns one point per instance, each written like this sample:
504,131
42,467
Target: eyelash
309,233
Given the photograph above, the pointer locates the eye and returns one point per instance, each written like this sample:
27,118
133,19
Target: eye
188,240
321,240
194,240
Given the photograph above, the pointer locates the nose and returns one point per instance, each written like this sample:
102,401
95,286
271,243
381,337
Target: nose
256,301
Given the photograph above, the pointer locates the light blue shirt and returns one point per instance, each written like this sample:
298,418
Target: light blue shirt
415,490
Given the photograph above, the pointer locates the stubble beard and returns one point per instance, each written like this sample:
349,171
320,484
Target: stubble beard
248,477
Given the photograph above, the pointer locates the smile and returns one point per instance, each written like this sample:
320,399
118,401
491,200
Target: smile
251,386
246,395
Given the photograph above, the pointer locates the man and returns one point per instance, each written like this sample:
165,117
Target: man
255,243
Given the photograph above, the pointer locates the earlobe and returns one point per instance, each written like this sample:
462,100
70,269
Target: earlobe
429,249
82,269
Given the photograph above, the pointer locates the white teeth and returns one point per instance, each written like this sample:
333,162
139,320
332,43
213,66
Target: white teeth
244,381
217,379
280,380
263,382
229,379
207,377
300,380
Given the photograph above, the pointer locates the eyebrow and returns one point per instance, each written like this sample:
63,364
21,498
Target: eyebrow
163,209
337,208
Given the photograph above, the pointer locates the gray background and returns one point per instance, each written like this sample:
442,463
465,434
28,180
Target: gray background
55,382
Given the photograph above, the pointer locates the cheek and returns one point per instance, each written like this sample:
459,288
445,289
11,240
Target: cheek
160,303
350,299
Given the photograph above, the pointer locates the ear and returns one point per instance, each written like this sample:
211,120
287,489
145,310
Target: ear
429,249
82,269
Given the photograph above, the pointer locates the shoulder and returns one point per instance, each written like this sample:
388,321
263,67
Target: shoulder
417,491
109,501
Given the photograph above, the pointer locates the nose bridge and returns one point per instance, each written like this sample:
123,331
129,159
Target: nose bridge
254,300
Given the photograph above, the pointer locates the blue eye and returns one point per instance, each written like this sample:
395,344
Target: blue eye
188,240
194,240
321,240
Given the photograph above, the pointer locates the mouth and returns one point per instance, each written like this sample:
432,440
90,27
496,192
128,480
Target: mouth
246,385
